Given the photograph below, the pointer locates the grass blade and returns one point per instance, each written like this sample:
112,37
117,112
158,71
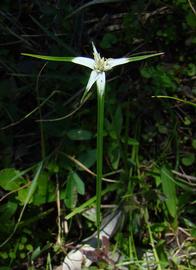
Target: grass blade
169,190
49,58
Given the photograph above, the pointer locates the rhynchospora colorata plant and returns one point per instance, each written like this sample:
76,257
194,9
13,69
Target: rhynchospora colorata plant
99,66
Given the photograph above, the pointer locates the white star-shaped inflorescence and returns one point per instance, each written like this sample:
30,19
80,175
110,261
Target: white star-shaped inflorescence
99,65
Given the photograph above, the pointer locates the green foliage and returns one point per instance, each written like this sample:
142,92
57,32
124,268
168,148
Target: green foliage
88,158
163,80
188,160
45,191
74,185
169,190
10,179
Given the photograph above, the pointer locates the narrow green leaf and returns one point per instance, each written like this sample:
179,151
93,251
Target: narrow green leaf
49,58
70,192
169,190
142,57
32,188
178,99
36,253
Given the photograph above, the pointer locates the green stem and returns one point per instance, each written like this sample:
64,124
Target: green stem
100,120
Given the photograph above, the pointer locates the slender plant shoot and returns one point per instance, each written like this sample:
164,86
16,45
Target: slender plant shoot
99,65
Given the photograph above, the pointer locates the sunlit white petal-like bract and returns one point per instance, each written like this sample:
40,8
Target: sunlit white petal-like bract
92,79
84,61
117,62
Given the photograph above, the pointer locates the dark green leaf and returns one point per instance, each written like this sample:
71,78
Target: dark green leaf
70,192
169,190
88,158
10,179
78,183
49,58
188,160
7,210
